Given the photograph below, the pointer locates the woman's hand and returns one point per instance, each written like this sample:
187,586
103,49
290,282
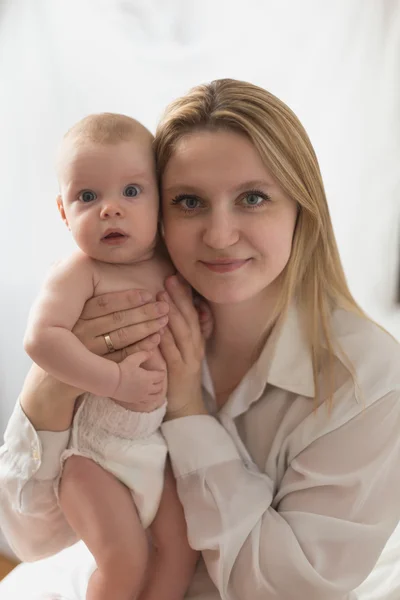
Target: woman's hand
132,319
206,321
182,346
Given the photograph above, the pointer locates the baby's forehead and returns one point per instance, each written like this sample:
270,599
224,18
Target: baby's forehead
81,145
76,153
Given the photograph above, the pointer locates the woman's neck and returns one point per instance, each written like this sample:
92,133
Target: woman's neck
241,326
239,334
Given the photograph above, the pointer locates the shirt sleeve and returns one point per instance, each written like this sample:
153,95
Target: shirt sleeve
319,534
30,516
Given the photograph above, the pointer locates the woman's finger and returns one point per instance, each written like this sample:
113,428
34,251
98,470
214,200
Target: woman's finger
119,337
180,330
181,295
92,328
148,344
170,350
206,322
112,302
126,336
184,378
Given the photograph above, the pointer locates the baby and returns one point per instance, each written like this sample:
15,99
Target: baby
112,485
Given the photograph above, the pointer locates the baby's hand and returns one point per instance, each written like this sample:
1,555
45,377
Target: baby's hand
143,390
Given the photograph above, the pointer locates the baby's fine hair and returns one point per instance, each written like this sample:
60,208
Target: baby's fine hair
107,128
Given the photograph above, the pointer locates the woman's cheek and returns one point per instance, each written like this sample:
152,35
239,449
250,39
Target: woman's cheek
176,239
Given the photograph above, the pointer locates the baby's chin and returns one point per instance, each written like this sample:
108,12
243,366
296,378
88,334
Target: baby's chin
119,255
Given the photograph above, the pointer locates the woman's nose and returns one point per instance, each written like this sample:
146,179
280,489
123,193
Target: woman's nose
111,209
220,231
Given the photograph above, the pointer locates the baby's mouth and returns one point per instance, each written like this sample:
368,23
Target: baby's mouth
113,235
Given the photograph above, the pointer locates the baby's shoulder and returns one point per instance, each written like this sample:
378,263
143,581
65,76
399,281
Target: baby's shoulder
77,265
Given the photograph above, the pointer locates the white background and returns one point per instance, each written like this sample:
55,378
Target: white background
337,64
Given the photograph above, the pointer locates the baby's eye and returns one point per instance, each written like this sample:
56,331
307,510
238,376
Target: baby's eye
131,191
87,196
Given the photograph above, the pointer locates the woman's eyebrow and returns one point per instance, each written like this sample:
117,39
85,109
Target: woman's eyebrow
188,189
254,183
247,185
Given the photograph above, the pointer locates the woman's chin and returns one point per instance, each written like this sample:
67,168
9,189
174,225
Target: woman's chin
225,296
239,292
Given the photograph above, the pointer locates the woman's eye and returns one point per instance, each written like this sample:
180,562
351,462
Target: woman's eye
87,196
254,199
131,191
190,202
186,202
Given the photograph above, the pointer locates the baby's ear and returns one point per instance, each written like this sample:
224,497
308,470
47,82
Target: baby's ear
61,210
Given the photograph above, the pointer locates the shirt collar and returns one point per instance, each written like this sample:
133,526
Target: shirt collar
290,365
285,362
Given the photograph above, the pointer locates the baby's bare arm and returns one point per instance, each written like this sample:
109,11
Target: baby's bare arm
49,340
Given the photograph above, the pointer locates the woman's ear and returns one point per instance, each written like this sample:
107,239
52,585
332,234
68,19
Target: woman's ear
61,210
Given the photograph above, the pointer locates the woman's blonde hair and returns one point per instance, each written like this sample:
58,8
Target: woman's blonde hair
314,273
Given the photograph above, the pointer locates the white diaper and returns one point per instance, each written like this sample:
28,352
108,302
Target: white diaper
127,444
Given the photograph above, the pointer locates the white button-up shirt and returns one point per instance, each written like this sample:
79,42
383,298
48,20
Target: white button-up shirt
284,500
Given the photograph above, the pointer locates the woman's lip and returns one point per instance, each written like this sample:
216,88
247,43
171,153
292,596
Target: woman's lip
225,266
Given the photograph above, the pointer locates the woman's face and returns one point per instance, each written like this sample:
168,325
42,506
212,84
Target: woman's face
228,225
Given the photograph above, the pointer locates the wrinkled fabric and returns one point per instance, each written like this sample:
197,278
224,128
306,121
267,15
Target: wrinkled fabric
285,500
127,444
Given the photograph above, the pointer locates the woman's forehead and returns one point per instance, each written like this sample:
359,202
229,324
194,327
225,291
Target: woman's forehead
206,157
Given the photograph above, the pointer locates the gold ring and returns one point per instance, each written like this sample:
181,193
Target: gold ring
108,342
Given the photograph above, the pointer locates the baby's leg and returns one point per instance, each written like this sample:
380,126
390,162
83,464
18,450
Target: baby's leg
173,562
101,511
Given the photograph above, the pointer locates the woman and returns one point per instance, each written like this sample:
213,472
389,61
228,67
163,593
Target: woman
287,459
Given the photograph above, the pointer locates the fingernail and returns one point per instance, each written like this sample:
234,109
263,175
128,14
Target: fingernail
163,320
173,280
146,296
162,307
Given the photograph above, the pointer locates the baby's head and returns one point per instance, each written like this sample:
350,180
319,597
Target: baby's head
108,188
